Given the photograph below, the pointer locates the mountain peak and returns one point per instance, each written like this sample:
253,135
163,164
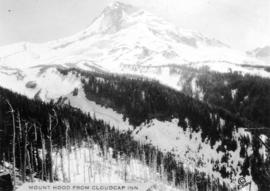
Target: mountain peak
113,16
118,5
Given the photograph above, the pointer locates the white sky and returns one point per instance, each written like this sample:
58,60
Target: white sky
243,24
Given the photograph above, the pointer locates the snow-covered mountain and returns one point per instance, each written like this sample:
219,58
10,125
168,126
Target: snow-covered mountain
125,39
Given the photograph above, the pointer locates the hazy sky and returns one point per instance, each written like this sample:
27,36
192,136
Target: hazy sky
243,24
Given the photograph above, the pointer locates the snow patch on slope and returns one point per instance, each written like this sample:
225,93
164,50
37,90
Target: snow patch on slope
99,112
50,83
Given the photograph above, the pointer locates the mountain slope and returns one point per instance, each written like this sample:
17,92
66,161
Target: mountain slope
125,39
175,123
75,133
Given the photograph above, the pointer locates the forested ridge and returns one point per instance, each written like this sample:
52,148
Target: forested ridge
43,126
141,100
243,95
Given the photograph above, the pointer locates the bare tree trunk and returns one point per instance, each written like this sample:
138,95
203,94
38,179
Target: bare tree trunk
50,149
76,159
35,154
30,161
89,143
56,163
20,139
13,143
143,156
43,171
62,166
161,169
64,176
84,176
68,149
187,180
173,178
105,143
154,163
25,152
125,168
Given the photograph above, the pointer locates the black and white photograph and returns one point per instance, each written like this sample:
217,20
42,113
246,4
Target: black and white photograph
134,95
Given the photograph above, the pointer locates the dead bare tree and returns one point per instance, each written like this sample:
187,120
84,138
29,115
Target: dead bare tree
30,162
35,154
13,142
19,138
90,150
50,128
24,151
27,153
62,165
50,149
43,166
68,149
105,143
126,161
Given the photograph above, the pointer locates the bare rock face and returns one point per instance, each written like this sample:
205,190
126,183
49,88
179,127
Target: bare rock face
37,96
31,85
75,92
114,17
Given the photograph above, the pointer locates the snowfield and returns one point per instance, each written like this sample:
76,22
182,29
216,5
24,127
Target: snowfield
125,39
